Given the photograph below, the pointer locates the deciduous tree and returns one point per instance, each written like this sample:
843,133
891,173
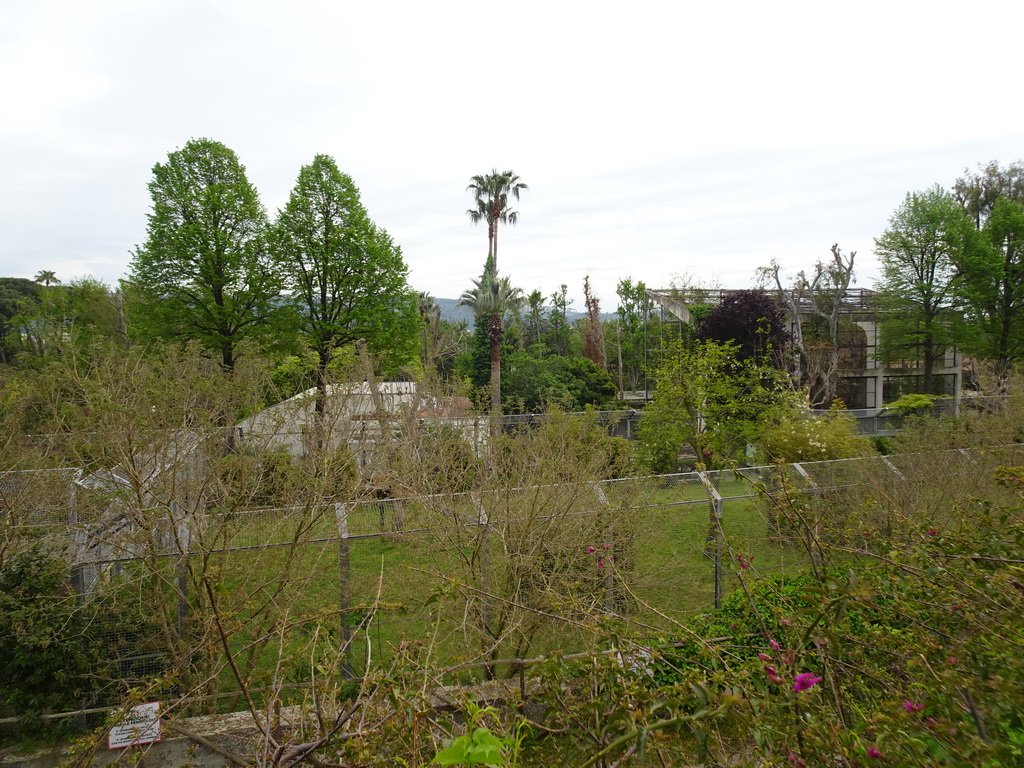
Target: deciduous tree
752,320
203,272
817,296
708,398
993,274
345,275
927,237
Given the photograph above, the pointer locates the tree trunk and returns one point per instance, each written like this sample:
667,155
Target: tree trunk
494,335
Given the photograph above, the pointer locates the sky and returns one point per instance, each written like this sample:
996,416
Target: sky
661,141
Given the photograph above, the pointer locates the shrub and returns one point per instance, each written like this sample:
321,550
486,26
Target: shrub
803,436
50,653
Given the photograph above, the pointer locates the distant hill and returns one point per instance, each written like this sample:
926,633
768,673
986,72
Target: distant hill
455,314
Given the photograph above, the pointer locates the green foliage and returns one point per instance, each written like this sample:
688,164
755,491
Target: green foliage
993,287
77,314
635,332
912,404
803,436
492,298
52,656
492,193
479,746
203,272
533,380
928,236
253,478
17,296
708,399
345,276
445,461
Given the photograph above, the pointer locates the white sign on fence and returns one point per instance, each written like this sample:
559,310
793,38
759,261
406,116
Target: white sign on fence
141,725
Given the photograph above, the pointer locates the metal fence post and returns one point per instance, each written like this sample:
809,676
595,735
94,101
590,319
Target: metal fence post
344,588
609,572
716,534
816,489
181,532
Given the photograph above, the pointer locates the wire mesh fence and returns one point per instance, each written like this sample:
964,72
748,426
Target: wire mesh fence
526,563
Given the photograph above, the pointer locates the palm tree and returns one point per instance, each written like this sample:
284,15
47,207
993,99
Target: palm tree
430,315
46,276
491,194
493,297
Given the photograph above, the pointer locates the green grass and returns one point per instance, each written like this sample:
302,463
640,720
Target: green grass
665,562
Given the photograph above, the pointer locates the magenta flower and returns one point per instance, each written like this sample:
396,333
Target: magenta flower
600,563
607,546
874,754
591,550
805,680
932,532
775,646
764,657
911,706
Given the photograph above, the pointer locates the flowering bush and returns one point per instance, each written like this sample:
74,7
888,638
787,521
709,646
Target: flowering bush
803,436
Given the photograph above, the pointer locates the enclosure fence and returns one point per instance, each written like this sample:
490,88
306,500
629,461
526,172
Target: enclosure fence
646,551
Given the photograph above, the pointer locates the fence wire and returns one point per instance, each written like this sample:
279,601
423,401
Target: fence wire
646,551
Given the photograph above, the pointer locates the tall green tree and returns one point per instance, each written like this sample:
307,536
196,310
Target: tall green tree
928,236
47,277
491,196
559,333
345,275
993,275
534,320
493,297
635,317
203,272
978,191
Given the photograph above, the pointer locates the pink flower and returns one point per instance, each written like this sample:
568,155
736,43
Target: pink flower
591,550
932,532
805,680
775,646
600,563
874,754
607,546
911,706
764,657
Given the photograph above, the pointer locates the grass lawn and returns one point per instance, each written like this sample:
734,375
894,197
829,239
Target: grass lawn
659,530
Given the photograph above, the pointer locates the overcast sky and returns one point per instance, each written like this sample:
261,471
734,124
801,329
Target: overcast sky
657,139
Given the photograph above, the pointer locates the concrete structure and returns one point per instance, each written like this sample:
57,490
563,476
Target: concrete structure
356,417
866,383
